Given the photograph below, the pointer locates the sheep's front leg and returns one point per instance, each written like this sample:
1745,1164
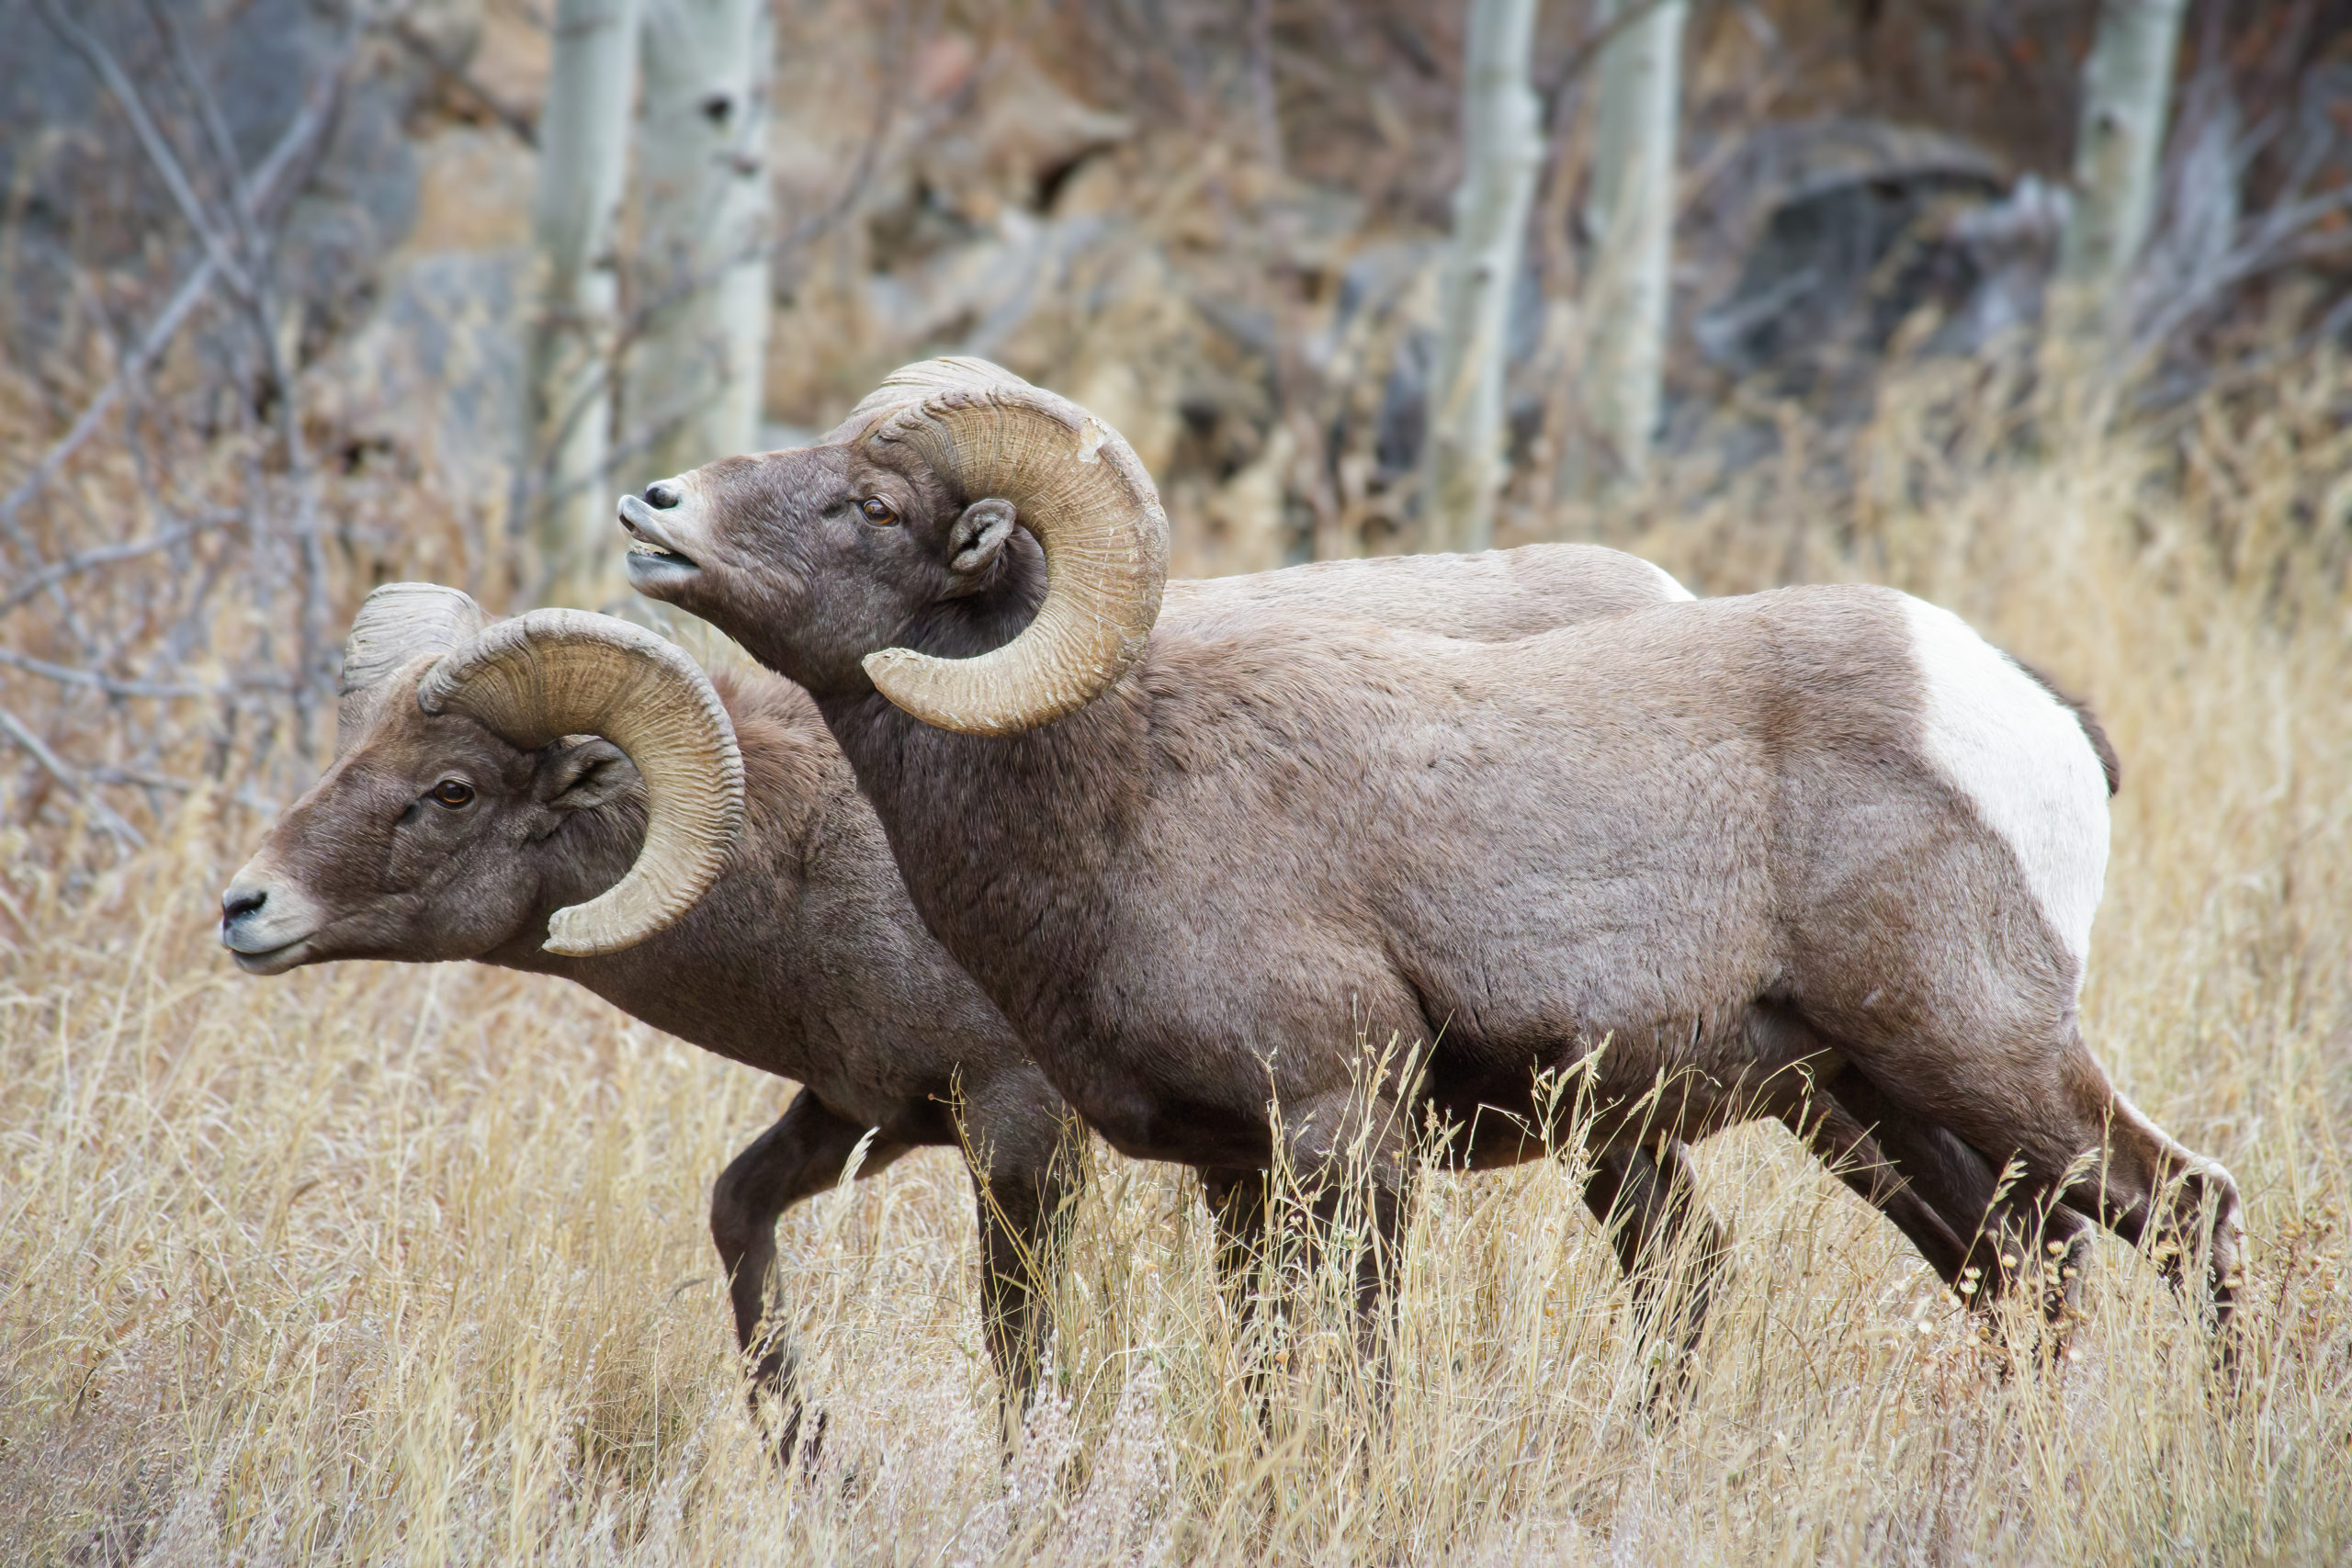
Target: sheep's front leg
1027,1166
1237,1200
1348,1155
1237,1197
802,1154
1645,1195
1240,1200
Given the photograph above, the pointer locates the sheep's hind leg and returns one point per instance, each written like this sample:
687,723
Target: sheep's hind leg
2085,1151
2141,1180
1981,1237
1983,1242
1848,1143
1932,1186
802,1154
1646,1196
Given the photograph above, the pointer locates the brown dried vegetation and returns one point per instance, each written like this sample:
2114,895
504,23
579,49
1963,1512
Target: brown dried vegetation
373,1260
370,1264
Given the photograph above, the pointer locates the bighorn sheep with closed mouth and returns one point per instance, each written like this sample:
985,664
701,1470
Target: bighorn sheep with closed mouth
1698,852
512,792
493,778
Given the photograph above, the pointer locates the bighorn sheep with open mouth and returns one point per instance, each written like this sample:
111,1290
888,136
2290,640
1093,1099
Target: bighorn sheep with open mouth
1699,854
495,784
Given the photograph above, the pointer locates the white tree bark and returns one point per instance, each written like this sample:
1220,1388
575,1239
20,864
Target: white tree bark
1630,213
696,373
583,165
1502,151
2127,96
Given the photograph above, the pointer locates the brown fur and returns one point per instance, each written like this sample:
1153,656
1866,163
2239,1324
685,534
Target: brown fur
1707,839
806,959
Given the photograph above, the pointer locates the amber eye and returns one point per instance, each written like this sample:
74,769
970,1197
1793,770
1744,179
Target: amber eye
453,792
877,510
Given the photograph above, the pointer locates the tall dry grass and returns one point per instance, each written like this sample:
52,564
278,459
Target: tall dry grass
382,1263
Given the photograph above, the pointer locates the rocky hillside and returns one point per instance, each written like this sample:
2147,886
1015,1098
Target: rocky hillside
1216,223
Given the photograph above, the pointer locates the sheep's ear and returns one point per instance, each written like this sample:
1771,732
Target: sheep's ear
581,772
979,537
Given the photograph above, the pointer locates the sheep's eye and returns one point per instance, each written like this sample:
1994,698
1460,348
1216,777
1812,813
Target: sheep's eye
453,792
877,510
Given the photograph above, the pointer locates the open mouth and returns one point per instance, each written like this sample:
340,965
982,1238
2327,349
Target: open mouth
654,559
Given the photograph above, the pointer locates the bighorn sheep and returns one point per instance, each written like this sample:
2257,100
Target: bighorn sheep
492,777
1698,854
494,780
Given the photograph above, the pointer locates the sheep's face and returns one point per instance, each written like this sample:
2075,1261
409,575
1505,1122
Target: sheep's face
428,839
812,558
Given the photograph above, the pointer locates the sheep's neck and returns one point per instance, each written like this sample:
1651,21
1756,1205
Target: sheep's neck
591,852
1003,842
678,980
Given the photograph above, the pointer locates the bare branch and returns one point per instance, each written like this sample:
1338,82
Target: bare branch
517,123
108,555
208,117
260,191
2242,266
189,295
254,292
116,686
104,816
109,71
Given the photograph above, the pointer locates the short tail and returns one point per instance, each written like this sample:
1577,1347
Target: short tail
2093,730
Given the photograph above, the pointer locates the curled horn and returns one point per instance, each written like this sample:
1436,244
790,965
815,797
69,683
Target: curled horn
910,382
397,625
1076,486
556,673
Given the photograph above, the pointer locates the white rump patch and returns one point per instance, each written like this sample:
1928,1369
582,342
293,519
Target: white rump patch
2020,757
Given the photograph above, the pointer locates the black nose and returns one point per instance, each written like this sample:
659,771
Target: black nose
234,903
663,495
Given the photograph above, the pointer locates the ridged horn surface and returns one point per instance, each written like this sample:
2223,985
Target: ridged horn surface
397,625
910,383
556,673
1074,483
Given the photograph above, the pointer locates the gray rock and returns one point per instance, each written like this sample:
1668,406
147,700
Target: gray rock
92,200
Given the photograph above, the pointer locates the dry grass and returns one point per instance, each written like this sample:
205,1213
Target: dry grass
387,1264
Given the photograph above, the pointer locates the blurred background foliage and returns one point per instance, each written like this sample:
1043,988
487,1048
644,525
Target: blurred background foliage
383,1264
270,281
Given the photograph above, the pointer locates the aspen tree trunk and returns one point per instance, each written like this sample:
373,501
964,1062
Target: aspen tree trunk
696,375
584,164
1502,151
2127,95
1631,216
